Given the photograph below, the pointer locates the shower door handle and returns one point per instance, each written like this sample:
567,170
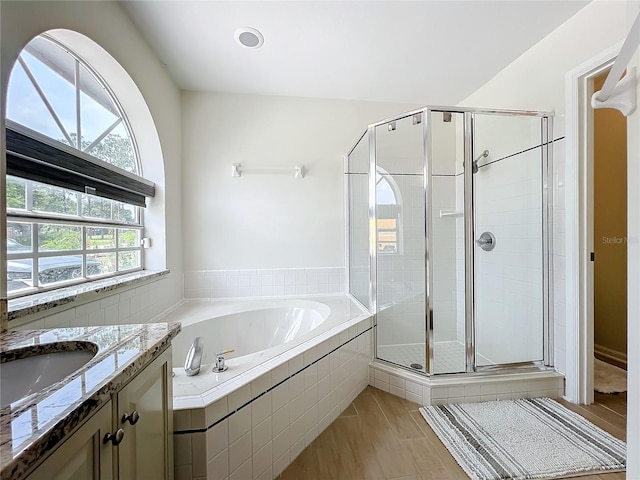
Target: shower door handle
487,241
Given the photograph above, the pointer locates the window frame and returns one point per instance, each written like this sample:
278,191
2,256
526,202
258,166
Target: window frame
72,159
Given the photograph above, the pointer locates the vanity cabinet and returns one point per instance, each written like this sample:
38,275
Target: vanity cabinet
143,411
84,456
129,438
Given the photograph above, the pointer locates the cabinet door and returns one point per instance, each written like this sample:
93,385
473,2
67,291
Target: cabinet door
84,456
146,401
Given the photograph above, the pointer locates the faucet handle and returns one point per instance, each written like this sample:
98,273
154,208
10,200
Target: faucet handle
220,365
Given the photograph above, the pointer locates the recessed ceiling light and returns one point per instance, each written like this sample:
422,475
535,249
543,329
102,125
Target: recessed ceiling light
249,37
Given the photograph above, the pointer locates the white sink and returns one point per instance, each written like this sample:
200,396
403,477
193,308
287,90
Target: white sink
24,376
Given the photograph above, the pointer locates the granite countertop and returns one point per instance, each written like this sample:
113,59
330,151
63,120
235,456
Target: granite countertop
33,425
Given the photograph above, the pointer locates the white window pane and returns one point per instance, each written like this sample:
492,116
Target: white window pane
101,263
19,237
53,237
128,238
19,270
24,105
128,260
60,92
116,149
59,269
16,193
97,111
97,207
19,274
125,213
100,237
54,200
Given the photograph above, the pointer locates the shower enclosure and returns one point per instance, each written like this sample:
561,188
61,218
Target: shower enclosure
448,238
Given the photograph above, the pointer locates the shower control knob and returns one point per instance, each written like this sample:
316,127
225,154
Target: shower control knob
487,241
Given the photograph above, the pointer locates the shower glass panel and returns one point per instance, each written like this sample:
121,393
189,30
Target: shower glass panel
449,238
447,252
508,233
400,241
358,187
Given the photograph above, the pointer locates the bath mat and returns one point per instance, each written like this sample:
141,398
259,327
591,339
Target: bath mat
524,439
608,378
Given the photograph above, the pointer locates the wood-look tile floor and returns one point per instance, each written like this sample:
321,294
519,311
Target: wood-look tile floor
381,436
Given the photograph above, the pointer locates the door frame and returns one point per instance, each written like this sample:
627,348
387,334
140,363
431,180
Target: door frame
579,225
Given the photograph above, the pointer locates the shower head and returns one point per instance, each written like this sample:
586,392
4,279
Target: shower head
484,154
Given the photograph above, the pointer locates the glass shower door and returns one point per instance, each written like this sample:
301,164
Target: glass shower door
509,155
400,242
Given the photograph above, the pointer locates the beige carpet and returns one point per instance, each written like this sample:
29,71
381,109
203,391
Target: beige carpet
608,378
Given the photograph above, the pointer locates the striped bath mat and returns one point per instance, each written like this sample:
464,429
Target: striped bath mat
524,439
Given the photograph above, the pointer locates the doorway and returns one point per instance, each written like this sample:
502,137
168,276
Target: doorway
609,213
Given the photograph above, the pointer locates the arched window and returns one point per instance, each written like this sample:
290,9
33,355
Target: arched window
389,209
75,189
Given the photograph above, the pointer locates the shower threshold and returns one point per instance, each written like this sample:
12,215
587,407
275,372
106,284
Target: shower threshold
504,384
449,356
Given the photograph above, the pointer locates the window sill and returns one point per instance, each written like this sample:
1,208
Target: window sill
85,292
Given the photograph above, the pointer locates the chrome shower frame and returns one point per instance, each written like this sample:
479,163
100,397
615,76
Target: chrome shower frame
546,144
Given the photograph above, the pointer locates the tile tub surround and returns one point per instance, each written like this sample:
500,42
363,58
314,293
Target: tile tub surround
268,282
264,419
447,389
200,390
51,414
20,307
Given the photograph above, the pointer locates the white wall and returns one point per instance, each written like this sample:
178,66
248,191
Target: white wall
536,81
106,24
263,220
633,284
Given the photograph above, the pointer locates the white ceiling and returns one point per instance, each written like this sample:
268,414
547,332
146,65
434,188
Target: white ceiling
421,52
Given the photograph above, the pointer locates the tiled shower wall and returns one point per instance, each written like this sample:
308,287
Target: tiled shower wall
509,294
264,282
400,280
443,258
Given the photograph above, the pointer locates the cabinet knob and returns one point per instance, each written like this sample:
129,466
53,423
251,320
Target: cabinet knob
132,419
115,438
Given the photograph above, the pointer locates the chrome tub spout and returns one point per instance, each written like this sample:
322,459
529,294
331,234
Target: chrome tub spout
194,357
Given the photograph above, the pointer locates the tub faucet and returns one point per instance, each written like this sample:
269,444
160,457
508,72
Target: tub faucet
220,365
194,357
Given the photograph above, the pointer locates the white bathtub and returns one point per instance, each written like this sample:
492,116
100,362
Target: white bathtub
261,332
246,327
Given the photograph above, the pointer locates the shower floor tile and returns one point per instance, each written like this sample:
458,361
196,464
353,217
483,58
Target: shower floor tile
449,357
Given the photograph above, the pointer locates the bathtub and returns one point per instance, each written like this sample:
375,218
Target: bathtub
247,327
298,363
259,331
